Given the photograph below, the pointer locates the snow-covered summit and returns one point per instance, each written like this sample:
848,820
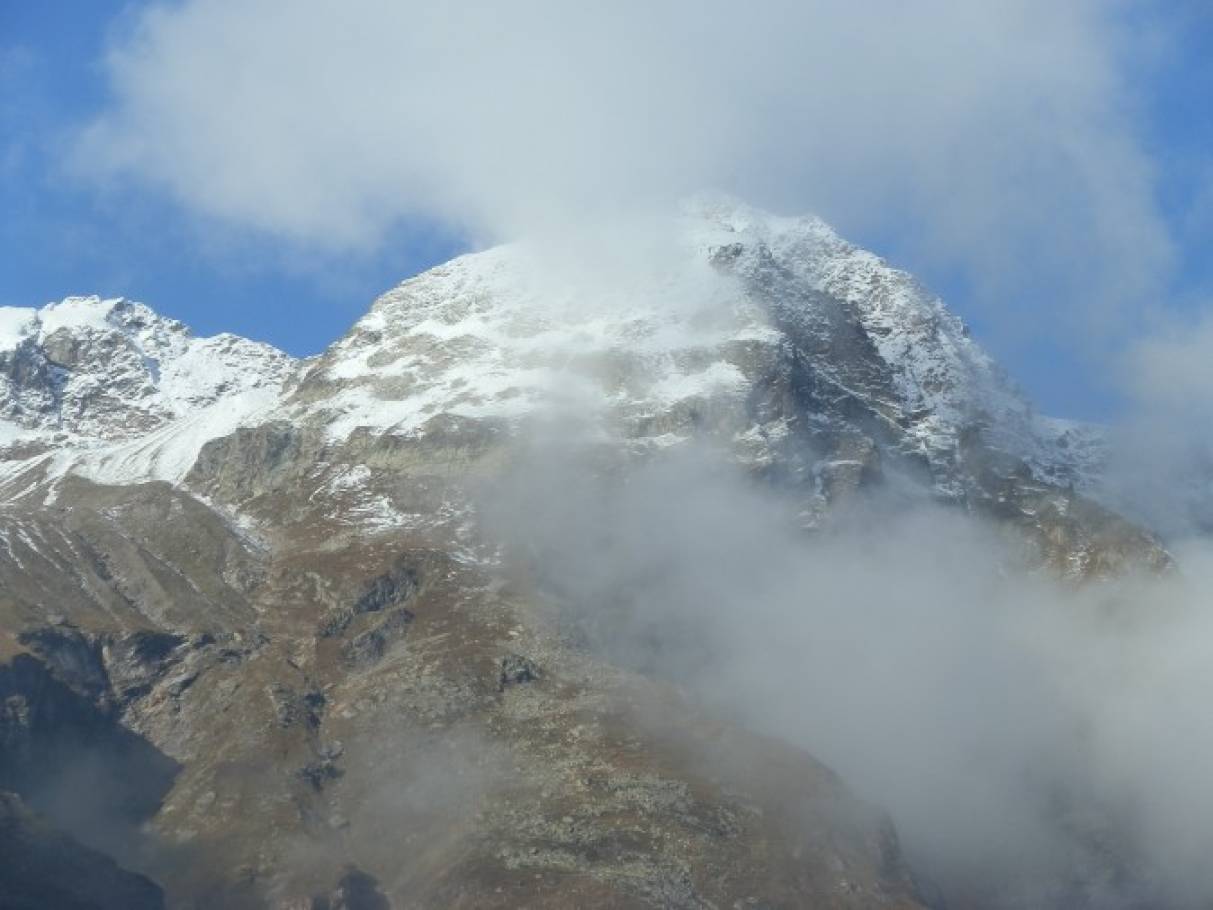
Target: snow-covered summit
690,329
85,376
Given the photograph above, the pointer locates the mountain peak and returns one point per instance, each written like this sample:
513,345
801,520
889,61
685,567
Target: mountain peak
81,315
737,215
501,334
20,323
86,373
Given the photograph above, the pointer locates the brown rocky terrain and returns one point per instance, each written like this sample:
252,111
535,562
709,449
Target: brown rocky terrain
329,700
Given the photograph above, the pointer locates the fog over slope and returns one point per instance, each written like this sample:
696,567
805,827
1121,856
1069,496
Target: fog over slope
1038,744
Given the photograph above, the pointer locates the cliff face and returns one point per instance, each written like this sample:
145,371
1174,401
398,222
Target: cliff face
266,584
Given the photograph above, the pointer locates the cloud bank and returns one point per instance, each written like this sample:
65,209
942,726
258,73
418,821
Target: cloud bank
995,139
1160,457
1036,745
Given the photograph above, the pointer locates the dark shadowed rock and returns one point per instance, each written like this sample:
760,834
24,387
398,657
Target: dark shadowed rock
44,869
516,669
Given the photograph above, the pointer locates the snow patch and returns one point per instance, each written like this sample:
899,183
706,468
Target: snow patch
16,324
77,313
168,453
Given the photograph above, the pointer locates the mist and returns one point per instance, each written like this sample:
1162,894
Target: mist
1160,455
1037,744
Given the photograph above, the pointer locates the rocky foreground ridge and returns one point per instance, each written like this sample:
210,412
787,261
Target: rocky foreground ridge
257,647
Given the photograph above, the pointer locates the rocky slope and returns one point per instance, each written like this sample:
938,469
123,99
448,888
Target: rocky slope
265,583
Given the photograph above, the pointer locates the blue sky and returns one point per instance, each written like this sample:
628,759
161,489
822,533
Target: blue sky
64,232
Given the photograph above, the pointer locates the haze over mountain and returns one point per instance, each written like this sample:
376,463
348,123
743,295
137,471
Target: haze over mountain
551,585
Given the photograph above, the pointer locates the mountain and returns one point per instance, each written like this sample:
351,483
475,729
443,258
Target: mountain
260,645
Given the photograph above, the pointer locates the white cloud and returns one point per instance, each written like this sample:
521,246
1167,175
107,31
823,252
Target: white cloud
1169,366
1160,468
1037,744
992,137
